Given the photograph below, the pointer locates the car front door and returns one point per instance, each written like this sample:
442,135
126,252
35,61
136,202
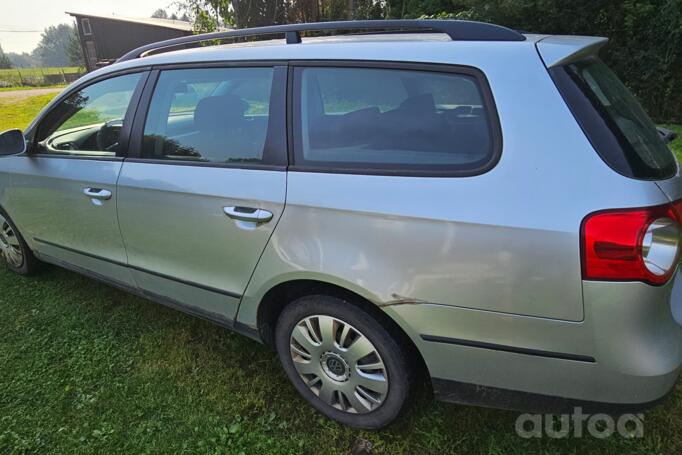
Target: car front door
202,195
62,193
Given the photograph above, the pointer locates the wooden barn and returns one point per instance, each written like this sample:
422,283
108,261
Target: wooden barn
105,38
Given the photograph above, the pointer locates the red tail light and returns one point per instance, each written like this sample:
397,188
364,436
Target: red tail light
632,244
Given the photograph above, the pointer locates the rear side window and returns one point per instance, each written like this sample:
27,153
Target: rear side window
215,115
614,121
391,121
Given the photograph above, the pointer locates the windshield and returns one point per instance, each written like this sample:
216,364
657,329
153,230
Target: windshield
616,123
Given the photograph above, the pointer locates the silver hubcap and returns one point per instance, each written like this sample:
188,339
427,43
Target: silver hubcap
339,364
10,248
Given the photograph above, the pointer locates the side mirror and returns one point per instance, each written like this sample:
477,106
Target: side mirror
12,142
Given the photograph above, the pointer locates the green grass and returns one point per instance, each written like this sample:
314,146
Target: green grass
85,368
19,113
39,71
37,77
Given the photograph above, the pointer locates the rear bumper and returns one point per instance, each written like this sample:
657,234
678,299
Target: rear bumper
626,354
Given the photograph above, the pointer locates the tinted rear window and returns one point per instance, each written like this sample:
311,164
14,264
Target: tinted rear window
614,121
391,120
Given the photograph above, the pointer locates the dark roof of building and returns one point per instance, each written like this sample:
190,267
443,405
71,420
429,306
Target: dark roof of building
155,22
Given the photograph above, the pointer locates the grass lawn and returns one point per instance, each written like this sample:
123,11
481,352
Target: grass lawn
15,78
35,71
19,113
85,368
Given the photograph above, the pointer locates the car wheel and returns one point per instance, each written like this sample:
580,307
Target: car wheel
13,248
343,361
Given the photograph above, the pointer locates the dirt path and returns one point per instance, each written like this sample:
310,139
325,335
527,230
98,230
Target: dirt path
21,94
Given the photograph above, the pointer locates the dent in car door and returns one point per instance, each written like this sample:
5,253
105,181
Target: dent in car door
198,206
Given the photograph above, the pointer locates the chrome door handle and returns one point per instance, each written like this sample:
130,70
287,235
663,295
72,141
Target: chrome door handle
97,193
248,214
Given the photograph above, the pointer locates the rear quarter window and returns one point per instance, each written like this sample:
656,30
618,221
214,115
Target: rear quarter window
393,120
613,120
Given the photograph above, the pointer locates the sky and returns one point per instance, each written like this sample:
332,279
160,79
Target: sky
28,18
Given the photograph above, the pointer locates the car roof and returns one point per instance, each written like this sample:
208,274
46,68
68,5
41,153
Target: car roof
420,47
377,47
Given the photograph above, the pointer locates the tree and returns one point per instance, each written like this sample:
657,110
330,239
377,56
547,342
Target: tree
403,9
53,45
74,50
256,13
160,14
333,10
4,60
207,15
304,11
23,60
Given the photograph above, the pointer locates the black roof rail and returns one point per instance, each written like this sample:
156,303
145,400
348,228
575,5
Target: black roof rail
457,30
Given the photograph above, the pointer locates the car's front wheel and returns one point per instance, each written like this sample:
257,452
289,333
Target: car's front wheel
13,248
343,361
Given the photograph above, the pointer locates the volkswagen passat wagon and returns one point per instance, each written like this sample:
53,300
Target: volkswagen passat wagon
491,210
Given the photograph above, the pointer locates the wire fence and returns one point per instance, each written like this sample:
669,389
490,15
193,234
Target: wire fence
38,77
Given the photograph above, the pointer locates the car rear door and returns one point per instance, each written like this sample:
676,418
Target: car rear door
62,193
206,186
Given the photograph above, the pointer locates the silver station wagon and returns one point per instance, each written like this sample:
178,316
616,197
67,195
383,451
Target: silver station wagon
398,201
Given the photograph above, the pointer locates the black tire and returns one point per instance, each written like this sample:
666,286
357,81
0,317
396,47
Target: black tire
398,368
29,264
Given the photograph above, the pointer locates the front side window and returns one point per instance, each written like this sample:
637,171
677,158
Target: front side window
390,119
214,115
88,122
